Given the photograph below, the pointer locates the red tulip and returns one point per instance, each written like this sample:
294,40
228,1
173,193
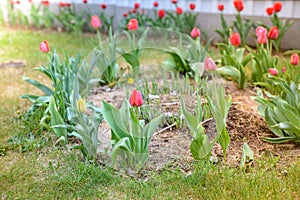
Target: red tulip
133,24
273,33
235,39
136,98
239,5
61,4
261,34
133,10
155,4
68,4
221,7
195,33
209,64
283,70
84,1
179,10
136,5
277,6
273,71
45,2
44,46
174,1
103,6
95,22
125,14
161,13
270,11
294,59
192,6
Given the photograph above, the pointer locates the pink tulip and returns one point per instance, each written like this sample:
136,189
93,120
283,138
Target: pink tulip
133,24
209,64
261,34
44,46
294,59
136,98
195,33
273,71
283,70
95,22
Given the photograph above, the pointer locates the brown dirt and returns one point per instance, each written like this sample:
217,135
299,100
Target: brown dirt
172,145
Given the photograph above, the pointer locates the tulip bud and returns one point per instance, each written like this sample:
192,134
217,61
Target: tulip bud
95,22
81,105
44,46
136,98
195,33
277,6
294,59
273,33
239,5
179,11
221,7
235,39
273,71
283,70
209,64
161,13
270,11
133,24
192,6
155,4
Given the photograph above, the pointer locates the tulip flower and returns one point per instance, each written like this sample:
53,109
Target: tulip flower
125,14
294,59
221,7
270,11
174,1
68,4
179,10
273,33
44,46
103,6
61,4
192,6
209,64
277,6
45,2
195,32
283,70
235,39
136,5
84,1
136,99
261,34
239,5
133,24
155,4
273,71
161,13
81,105
95,22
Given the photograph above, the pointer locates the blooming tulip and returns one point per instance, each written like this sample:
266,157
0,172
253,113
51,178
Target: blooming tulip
294,59
179,10
161,13
277,6
174,1
61,4
45,2
235,39
195,32
221,7
273,71
270,11
136,98
261,34
84,1
155,4
283,70
239,5
95,22
192,6
209,64
103,6
136,5
133,24
44,46
273,33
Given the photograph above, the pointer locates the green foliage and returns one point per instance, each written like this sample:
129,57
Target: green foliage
243,27
282,113
247,156
130,137
71,19
225,31
233,63
200,147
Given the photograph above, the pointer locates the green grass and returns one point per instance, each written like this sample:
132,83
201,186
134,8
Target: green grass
33,168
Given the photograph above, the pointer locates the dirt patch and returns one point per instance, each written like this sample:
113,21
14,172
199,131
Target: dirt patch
172,145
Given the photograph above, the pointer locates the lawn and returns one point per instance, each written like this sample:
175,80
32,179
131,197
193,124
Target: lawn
32,167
